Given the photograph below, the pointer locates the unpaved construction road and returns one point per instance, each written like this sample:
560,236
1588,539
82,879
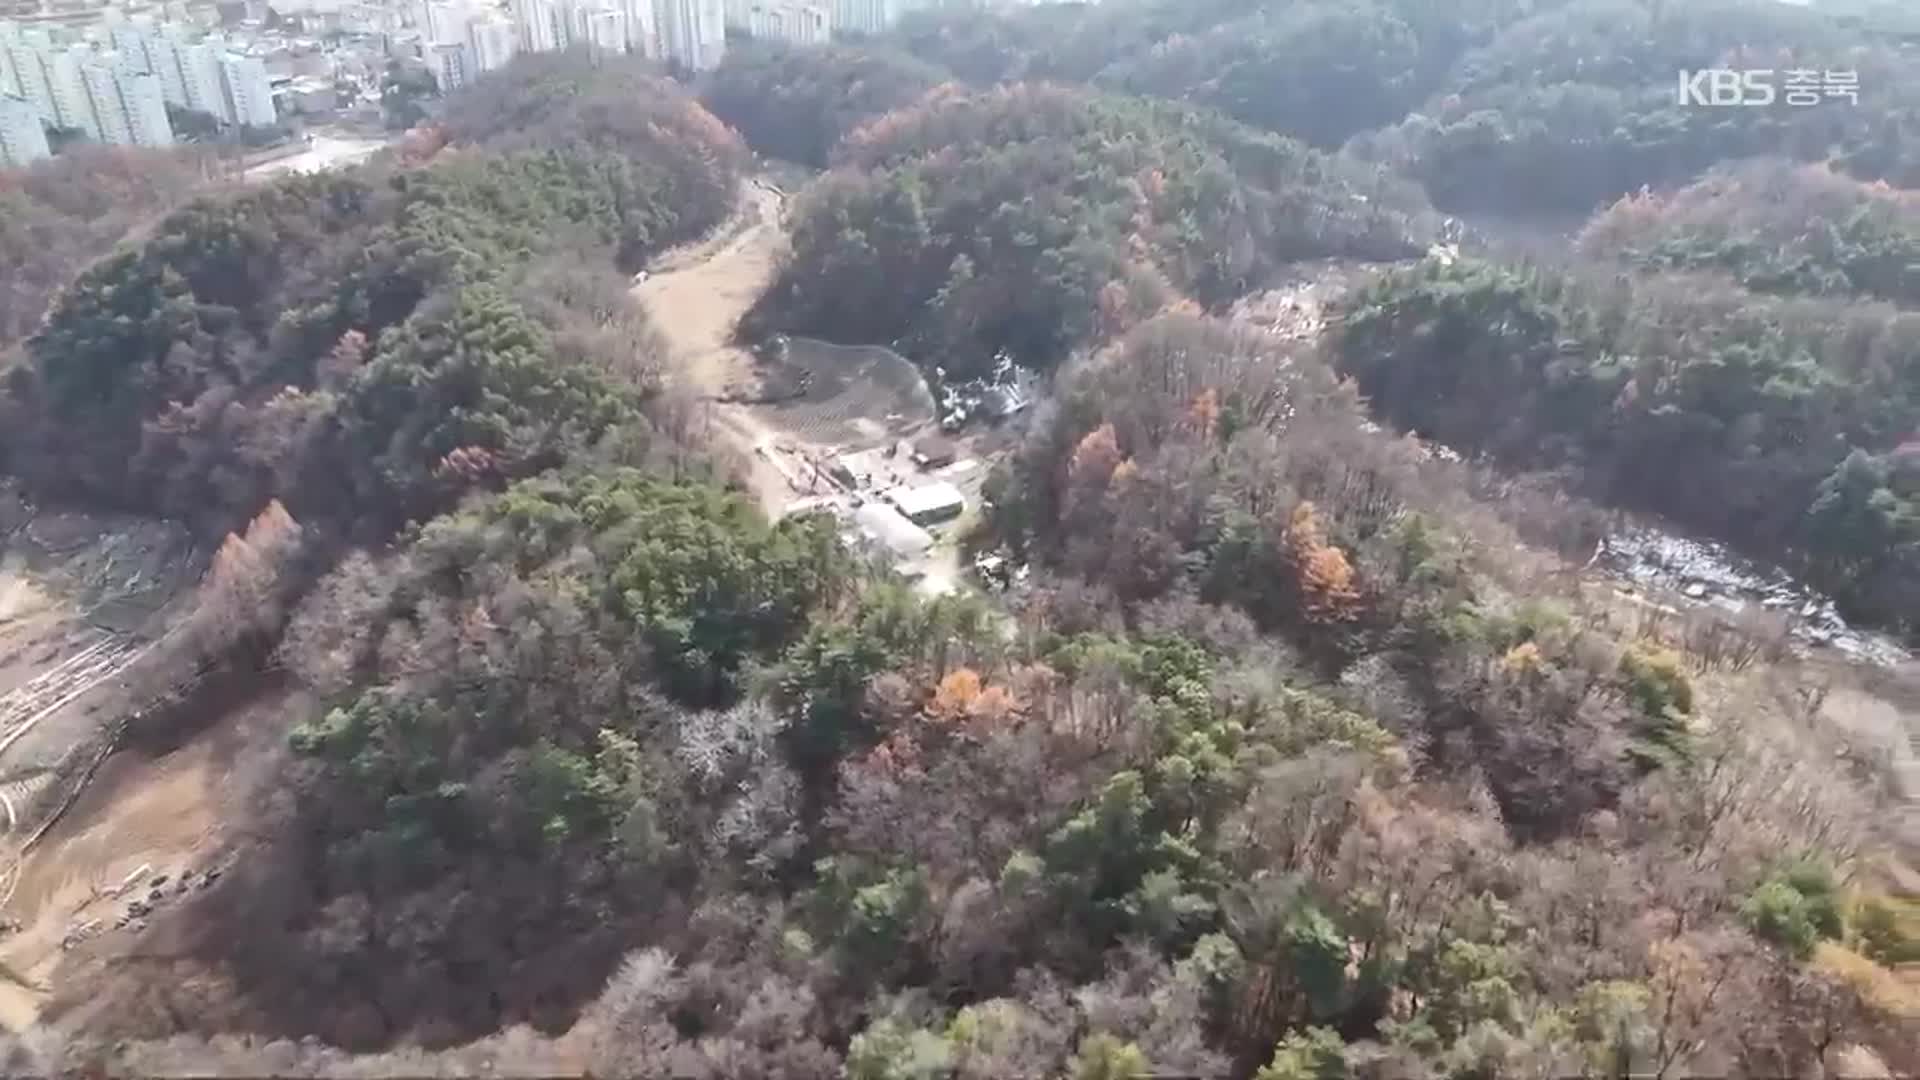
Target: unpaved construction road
696,296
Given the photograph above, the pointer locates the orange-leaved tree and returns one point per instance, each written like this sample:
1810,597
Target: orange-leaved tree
1321,571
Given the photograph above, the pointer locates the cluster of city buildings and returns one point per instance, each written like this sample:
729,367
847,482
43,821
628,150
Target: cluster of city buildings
464,39
114,83
112,72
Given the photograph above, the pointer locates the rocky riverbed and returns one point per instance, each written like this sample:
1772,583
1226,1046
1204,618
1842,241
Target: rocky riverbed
1704,572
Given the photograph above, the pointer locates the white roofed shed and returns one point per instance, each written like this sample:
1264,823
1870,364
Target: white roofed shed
928,503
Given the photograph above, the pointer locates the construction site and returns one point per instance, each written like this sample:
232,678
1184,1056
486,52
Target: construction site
84,599
849,430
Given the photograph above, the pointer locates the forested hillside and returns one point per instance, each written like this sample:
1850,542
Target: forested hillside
796,104
57,218
367,347
1320,71
1774,227
1499,106
1288,756
1573,107
1755,378
1029,220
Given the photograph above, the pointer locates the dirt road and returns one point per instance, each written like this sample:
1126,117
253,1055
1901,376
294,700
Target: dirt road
695,296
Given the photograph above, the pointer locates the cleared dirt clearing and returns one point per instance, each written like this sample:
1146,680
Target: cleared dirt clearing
695,296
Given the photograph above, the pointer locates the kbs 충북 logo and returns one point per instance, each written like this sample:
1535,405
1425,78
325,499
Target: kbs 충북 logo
1757,87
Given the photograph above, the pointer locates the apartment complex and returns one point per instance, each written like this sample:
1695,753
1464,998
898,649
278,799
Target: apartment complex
116,89
108,95
864,16
691,33
687,33
459,41
813,22
796,22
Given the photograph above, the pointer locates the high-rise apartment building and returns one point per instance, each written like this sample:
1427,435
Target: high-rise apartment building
205,89
490,43
98,77
448,63
643,27
164,57
72,103
163,63
442,22
812,25
693,33
604,30
9,82
129,40
248,90
23,139
145,101
26,53
539,25
865,16
795,22
573,19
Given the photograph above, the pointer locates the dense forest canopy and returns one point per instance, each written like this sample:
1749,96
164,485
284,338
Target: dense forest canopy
1501,106
57,218
358,345
1291,758
1320,71
797,103
1579,104
533,751
1774,227
1026,221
